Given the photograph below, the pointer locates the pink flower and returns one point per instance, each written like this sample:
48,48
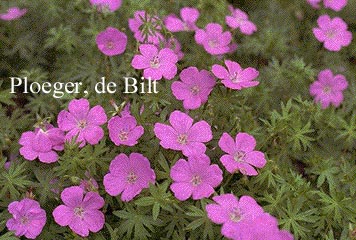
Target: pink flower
333,33
80,211
111,5
128,176
124,130
314,3
136,23
42,144
213,39
82,122
13,13
111,42
264,226
328,89
239,19
28,218
195,177
89,184
189,16
234,76
156,64
233,213
183,135
194,87
174,44
336,5
240,154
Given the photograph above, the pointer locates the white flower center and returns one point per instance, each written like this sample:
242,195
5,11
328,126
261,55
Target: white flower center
131,178
235,77
123,135
239,156
24,220
213,43
155,62
235,215
331,33
327,89
195,90
182,139
79,212
196,180
110,45
82,123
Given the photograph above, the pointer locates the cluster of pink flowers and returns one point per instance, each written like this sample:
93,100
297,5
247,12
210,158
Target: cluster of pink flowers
332,32
193,176
244,219
336,5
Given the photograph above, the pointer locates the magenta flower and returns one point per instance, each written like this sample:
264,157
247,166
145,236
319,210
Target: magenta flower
195,177
136,23
13,13
42,144
82,122
80,211
111,42
240,154
239,19
128,176
183,135
189,17
333,33
234,76
336,5
124,130
233,213
111,5
174,44
264,226
314,3
89,184
28,218
213,39
328,89
156,64
194,87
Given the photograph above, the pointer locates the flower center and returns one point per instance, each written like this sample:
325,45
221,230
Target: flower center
79,212
182,139
235,78
82,123
239,156
327,89
155,62
123,135
196,180
24,220
239,20
131,178
331,33
195,90
110,45
213,43
235,215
